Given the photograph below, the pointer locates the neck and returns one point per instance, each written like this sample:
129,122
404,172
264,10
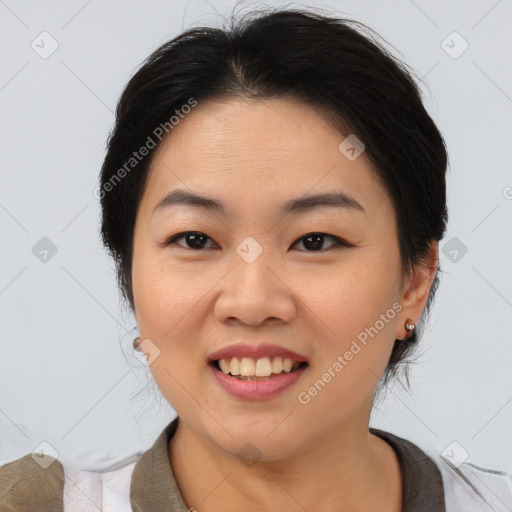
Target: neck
350,470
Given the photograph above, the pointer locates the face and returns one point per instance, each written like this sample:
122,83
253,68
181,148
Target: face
316,287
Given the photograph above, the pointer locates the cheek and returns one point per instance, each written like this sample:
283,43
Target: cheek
168,308
352,348
163,295
358,309
171,306
352,299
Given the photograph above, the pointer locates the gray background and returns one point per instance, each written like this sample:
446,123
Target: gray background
63,377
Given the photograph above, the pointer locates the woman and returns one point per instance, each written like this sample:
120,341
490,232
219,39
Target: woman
273,196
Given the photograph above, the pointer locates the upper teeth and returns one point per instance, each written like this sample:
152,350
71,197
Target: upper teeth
263,367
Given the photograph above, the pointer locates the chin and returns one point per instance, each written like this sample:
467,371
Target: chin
257,438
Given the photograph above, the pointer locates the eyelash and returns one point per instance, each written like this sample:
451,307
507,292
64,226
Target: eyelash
339,243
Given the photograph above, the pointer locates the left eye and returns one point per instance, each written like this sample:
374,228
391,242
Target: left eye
315,241
196,241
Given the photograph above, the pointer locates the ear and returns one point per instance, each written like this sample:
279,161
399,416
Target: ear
416,289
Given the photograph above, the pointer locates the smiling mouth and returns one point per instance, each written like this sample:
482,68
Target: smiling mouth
265,368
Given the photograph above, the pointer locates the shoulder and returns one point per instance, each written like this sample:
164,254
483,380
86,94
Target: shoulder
444,484
469,486
27,485
28,482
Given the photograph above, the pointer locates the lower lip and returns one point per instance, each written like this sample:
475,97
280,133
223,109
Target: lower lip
256,389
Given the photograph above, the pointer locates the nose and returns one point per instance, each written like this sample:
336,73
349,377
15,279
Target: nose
255,293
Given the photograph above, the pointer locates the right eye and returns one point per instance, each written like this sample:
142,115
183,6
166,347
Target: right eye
194,239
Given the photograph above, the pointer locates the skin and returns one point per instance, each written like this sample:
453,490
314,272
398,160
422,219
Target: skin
253,156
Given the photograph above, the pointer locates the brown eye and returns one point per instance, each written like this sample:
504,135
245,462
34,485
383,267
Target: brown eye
314,242
195,240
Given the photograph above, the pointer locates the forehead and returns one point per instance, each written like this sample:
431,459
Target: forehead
264,151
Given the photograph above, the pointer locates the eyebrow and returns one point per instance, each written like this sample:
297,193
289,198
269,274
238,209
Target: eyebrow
294,206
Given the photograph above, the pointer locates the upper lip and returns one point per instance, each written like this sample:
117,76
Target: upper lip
254,351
